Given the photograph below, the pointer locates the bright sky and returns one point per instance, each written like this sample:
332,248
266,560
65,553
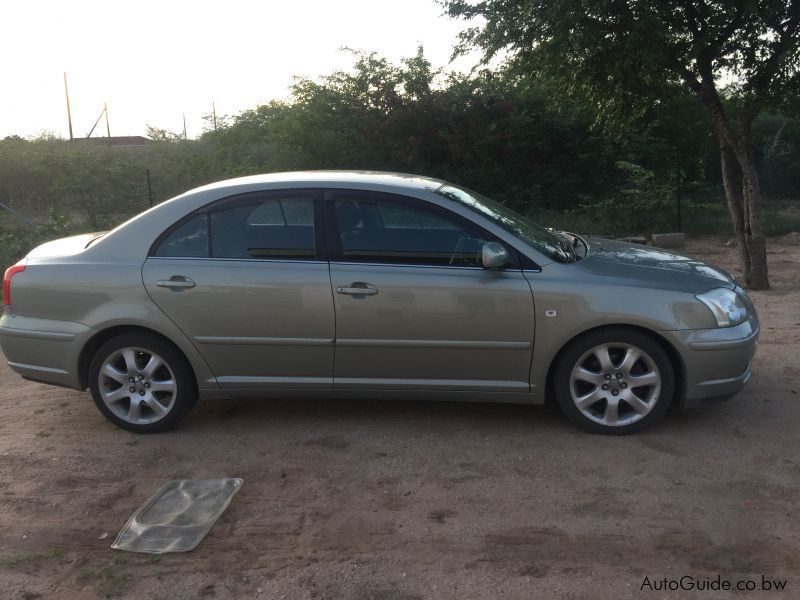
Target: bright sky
153,60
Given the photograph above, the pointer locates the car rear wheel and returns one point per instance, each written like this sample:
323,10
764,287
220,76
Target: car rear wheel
614,381
141,383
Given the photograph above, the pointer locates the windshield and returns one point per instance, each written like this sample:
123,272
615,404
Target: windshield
531,233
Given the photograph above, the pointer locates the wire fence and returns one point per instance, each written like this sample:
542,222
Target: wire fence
627,201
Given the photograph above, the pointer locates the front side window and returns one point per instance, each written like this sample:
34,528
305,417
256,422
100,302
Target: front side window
384,228
261,227
529,232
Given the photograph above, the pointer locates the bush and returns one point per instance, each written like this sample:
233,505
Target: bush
641,204
504,133
16,242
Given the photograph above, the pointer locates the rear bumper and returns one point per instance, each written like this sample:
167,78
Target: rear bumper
43,350
717,362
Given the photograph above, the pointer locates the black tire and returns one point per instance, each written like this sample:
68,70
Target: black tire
184,397
576,351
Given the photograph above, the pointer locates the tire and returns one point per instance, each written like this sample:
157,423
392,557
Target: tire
142,383
600,370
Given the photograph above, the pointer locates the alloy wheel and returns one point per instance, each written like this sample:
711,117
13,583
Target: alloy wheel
615,384
137,385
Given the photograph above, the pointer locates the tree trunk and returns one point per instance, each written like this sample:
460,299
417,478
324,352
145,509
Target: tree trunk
743,193
757,277
740,180
733,194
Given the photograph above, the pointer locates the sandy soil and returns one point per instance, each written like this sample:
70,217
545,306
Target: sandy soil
417,500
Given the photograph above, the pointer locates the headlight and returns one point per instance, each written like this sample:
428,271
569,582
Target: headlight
726,306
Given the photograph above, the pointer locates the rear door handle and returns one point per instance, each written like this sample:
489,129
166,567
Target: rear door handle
359,288
176,282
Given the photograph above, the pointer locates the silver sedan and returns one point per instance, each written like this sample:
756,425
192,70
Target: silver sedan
374,285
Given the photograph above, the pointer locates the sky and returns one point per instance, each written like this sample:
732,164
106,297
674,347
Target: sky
153,61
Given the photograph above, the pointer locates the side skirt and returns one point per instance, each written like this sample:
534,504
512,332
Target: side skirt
362,394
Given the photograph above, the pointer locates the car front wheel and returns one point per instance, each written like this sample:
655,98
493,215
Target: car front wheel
141,383
614,381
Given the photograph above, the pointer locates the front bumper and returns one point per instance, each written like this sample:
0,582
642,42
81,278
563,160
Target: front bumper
716,362
43,350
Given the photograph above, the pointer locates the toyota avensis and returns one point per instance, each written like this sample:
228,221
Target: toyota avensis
373,285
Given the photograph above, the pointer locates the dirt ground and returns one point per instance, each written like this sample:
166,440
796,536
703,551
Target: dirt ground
410,500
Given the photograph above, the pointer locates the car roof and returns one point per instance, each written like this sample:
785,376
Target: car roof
320,178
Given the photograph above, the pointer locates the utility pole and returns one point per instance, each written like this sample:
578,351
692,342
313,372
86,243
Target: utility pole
214,114
96,123
184,128
108,129
69,113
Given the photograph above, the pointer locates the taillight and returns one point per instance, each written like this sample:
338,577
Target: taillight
10,272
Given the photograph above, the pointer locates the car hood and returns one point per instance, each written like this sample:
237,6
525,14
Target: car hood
653,267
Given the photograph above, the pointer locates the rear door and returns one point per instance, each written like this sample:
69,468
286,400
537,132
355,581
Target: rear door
414,308
243,280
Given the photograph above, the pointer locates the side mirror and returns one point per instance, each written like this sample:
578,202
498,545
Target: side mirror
494,256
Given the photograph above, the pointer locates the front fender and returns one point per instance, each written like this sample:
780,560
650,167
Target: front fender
571,302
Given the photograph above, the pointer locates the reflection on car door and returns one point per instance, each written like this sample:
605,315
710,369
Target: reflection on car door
243,281
414,308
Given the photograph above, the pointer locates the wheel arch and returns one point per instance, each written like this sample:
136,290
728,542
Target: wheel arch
674,356
101,337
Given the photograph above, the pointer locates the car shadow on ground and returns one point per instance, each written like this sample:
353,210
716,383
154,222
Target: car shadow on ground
254,414
250,413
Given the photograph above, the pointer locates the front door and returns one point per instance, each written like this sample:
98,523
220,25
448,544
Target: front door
414,308
243,282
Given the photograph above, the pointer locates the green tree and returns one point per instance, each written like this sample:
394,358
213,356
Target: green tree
157,134
620,56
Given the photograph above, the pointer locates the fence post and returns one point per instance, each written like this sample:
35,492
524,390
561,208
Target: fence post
149,188
678,198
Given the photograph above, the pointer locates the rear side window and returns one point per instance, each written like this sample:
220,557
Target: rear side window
272,227
189,240
283,212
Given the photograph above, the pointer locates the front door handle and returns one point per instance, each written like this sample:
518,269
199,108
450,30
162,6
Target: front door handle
359,288
176,282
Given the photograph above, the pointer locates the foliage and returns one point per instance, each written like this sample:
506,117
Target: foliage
622,57
777,138
15,242
642,203
506,133
163,135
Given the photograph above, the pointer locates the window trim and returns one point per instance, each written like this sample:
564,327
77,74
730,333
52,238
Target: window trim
320,248
333,235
